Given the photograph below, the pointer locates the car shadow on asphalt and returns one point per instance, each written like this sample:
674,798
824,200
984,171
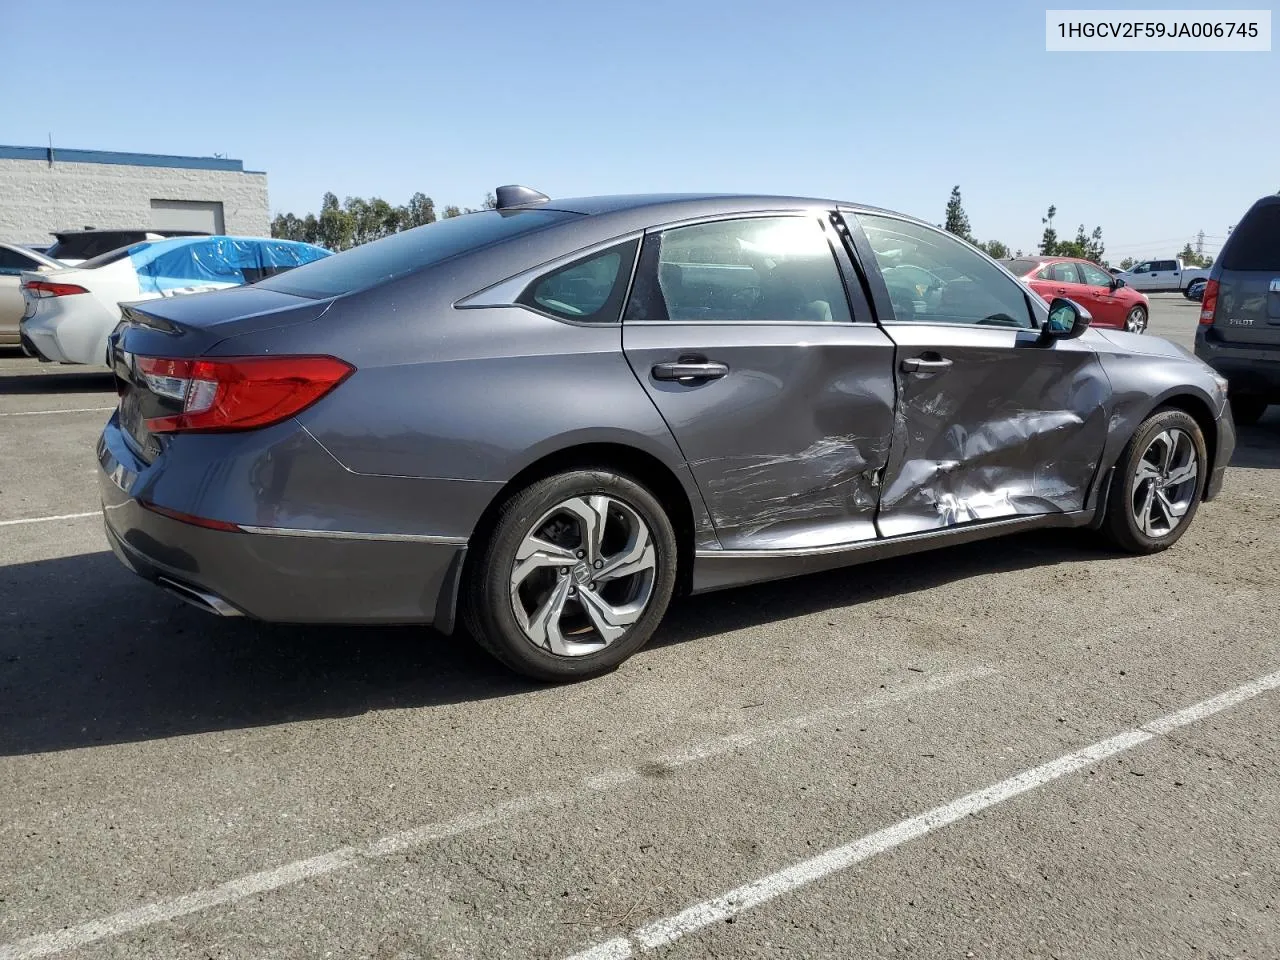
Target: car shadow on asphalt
1258,445
81,381
91,655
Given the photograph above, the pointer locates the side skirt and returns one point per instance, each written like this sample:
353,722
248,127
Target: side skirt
718,569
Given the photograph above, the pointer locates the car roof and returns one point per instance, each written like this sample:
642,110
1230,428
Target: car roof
693,204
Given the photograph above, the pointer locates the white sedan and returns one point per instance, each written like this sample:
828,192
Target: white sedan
14,262
70,313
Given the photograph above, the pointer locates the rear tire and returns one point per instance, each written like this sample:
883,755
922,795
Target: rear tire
1247,409
1158,483
574,577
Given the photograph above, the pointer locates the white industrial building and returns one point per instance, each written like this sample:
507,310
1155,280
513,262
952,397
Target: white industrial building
46,189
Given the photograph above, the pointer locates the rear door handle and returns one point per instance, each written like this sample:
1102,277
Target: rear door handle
920,365
690,370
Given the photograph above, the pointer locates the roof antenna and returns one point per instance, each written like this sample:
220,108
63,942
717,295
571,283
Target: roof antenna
514,195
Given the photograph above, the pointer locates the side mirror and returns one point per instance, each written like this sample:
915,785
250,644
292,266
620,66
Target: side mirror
1067,320
1117,283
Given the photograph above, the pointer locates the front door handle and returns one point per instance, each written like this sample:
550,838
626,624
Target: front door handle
687,370
921,365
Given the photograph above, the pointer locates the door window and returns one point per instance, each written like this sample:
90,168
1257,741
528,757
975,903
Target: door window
1064,273
1094,276
589,290
1166,265
964,287
762,269
1142,268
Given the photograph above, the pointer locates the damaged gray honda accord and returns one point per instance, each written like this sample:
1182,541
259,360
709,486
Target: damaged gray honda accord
549,417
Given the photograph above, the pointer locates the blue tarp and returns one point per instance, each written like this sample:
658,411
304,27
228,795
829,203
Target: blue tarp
181,262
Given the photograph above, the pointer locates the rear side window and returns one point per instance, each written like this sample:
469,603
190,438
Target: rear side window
1255,243
757,269
403,253
1061,272
589,290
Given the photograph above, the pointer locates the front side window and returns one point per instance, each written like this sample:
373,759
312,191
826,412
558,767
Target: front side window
1094,276
589,290
1142,268
968,288
762,269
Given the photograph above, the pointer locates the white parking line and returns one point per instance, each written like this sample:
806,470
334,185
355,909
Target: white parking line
41,413
69,938
60,516
661,933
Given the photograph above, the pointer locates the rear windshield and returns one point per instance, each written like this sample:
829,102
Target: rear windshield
403,253
83,246
1020,268
1255,243
111,257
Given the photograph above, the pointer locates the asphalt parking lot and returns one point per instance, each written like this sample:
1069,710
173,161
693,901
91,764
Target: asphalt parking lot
980,752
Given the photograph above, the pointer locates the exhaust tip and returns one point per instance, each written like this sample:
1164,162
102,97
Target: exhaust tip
208,602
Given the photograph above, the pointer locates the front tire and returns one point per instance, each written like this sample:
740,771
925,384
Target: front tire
574,577
1158,483
1135,320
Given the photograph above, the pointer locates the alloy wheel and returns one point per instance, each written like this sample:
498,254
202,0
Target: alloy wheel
1164,483
1136,321
583,575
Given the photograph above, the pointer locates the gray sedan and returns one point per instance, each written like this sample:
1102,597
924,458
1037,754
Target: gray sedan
548,418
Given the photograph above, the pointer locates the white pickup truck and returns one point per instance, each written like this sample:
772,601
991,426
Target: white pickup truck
1154,275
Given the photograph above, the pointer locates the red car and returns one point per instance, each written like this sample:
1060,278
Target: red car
1106,297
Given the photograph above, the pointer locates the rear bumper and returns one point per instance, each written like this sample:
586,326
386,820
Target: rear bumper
1248,369
287,576
40,342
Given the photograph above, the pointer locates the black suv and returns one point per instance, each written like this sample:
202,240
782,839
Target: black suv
1239,332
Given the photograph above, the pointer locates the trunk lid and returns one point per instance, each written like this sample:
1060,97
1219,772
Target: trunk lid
183,328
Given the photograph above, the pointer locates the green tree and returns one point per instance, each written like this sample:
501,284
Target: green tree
1126,263
1095,249
1049,240
450,212
286,226
957,220
420,211
995,250
336,227
490,202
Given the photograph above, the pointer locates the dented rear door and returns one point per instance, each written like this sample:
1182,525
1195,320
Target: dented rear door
779,394
990,423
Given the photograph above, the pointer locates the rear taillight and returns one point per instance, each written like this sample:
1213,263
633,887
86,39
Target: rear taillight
47,288
238,393
1209,302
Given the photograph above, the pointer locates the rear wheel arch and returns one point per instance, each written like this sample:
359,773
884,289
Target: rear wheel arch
644,468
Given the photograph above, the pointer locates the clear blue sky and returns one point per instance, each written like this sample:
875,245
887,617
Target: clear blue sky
889,103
